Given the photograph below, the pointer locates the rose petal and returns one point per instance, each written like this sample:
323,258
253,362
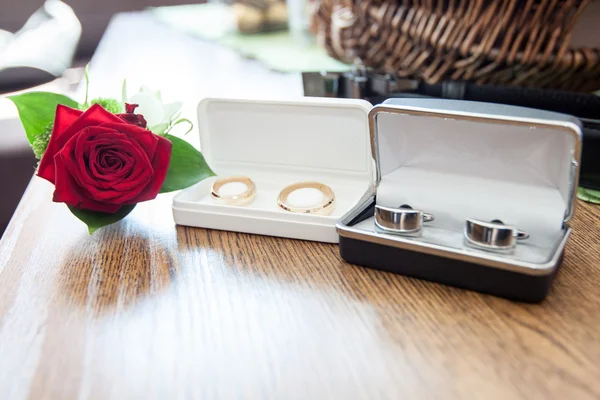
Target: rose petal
112,165
64,117
73,152
134,119
111,188
160,164
68,191
144,137
65,127
115,186
130,108
74,159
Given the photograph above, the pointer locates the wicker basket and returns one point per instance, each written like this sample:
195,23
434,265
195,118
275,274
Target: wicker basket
504,42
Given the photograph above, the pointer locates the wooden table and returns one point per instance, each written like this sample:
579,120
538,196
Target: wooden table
147,310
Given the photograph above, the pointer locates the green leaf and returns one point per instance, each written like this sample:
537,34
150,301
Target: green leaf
37,110
96,220
187,166
589,195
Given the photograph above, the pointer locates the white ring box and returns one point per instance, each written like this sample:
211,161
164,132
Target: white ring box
459,160
278,143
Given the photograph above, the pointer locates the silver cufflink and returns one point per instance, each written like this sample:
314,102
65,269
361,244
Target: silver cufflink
400,221
493,236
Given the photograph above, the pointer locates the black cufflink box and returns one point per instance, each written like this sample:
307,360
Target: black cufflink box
460,160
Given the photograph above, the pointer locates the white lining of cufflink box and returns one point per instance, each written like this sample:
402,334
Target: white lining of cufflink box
520,173
278,143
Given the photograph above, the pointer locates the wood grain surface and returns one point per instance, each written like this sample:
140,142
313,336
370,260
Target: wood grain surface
147,310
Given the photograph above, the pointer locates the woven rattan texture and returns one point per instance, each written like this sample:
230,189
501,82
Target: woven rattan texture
505,42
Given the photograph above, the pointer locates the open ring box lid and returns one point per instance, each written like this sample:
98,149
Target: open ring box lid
278,143
459,160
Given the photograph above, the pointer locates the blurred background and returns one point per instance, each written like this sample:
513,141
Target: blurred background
542,54
93,15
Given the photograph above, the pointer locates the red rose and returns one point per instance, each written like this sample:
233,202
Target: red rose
131,117
99,162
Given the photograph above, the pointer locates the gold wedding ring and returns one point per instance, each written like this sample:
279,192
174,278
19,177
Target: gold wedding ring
325,208
237,199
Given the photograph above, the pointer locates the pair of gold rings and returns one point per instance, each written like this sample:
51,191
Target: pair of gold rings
245,197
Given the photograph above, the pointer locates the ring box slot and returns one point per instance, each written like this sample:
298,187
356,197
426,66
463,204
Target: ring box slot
459,160
278,143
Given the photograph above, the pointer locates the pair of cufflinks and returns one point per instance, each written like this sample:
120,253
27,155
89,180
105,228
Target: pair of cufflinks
406,221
